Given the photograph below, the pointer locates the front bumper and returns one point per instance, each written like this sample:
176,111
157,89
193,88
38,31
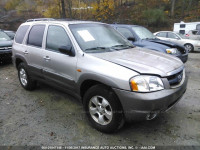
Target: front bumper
183,57
5,54
137,106
196,48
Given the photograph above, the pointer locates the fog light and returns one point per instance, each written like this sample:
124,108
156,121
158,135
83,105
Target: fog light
151,115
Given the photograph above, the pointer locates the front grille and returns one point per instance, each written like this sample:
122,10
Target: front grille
5,48
182,51
176,79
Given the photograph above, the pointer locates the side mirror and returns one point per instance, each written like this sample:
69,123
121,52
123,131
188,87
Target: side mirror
131,39
66,50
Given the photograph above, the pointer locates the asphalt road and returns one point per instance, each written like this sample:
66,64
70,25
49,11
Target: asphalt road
47,116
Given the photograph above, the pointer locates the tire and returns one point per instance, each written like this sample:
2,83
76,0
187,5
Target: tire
24,78
103,109
189,47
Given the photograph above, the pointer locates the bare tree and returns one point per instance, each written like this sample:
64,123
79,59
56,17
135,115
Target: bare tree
172,7
63,14
69,4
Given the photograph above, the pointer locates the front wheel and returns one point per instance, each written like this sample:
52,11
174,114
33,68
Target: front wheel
103,109
189,47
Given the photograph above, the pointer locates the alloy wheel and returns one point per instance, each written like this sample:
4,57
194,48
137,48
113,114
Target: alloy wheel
100,110
23,77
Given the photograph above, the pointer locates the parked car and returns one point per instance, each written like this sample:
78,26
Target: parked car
193,34
142,37
5,47
114,80
190,45
11,34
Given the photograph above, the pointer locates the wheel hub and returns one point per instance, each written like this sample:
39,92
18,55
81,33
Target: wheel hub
100,110
23,77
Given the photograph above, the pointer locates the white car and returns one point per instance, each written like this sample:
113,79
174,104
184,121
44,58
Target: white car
193,34
190,45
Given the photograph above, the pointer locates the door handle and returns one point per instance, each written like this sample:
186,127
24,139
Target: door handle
25,52
47,58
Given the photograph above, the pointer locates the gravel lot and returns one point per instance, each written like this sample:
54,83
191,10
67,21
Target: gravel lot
47,116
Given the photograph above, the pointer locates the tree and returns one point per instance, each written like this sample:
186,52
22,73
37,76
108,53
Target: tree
63,14
172,7
155,17
103,10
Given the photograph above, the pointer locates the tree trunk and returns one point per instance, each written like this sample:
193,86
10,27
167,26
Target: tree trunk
69,3
183,9
63,14
172,8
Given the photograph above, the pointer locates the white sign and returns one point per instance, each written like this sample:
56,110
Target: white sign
86,36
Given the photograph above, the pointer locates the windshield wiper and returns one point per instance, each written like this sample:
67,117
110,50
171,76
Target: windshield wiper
149,39
96,49
122,46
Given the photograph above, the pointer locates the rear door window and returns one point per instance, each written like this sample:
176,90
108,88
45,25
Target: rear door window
21,34
36,34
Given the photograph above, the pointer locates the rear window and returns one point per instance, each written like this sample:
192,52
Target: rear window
21,33
35,37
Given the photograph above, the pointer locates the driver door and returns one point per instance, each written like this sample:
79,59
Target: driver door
173,37
59,68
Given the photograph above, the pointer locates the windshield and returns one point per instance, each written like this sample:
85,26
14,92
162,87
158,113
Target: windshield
98,38
4,36
143,33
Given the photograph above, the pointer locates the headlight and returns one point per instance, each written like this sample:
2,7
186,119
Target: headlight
171,51
146,83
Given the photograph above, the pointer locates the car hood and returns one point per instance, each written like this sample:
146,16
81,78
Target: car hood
147,43
143,61
165,44
6,43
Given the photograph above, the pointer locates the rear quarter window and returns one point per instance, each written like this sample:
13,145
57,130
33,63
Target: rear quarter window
35,36
21,33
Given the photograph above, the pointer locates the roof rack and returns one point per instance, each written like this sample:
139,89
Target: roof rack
40,19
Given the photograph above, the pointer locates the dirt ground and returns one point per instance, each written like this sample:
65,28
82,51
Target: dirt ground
47,116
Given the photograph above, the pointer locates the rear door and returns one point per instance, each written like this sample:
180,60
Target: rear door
34,49
59,68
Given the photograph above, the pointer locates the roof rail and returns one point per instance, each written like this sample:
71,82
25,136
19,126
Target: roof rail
40,19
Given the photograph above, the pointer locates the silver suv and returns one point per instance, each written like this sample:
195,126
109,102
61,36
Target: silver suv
115,81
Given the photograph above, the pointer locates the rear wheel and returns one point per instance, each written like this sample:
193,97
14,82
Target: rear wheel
24,78
189,47
103,109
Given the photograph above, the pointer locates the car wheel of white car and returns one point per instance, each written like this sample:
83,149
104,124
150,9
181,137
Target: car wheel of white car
103,109
189,47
